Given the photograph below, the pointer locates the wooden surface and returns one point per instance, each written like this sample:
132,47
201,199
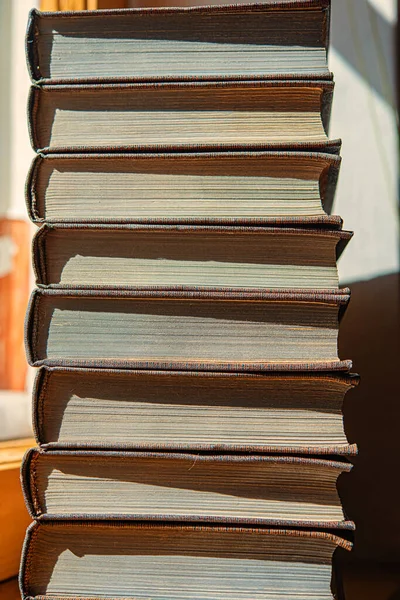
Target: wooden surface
14,517
9,590
14,294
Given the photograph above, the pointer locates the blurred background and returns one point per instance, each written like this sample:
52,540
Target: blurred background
364,58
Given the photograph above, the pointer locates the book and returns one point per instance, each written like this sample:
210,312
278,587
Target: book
280,491
126,560
232,188
14,517
191,257
286,39
298,413
188,115
185,330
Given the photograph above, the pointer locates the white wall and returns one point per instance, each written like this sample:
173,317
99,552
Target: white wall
15,150
5,100
21,153
15,158
362,59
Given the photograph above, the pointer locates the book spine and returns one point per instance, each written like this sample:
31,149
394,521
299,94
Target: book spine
39,255
33,104
31,46
30,328
39,391
29,484
30,191
26,560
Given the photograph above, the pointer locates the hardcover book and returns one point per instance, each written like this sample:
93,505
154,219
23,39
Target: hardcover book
126,560
160,257
261,40
233,188
244,489
171,329
190,115
298,413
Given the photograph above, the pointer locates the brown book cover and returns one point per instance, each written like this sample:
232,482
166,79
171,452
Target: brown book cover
193,257
85,559
226,188
180,411
256,40
197,116
258,490
174,329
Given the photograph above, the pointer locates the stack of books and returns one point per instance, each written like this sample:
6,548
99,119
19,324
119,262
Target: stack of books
188,402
